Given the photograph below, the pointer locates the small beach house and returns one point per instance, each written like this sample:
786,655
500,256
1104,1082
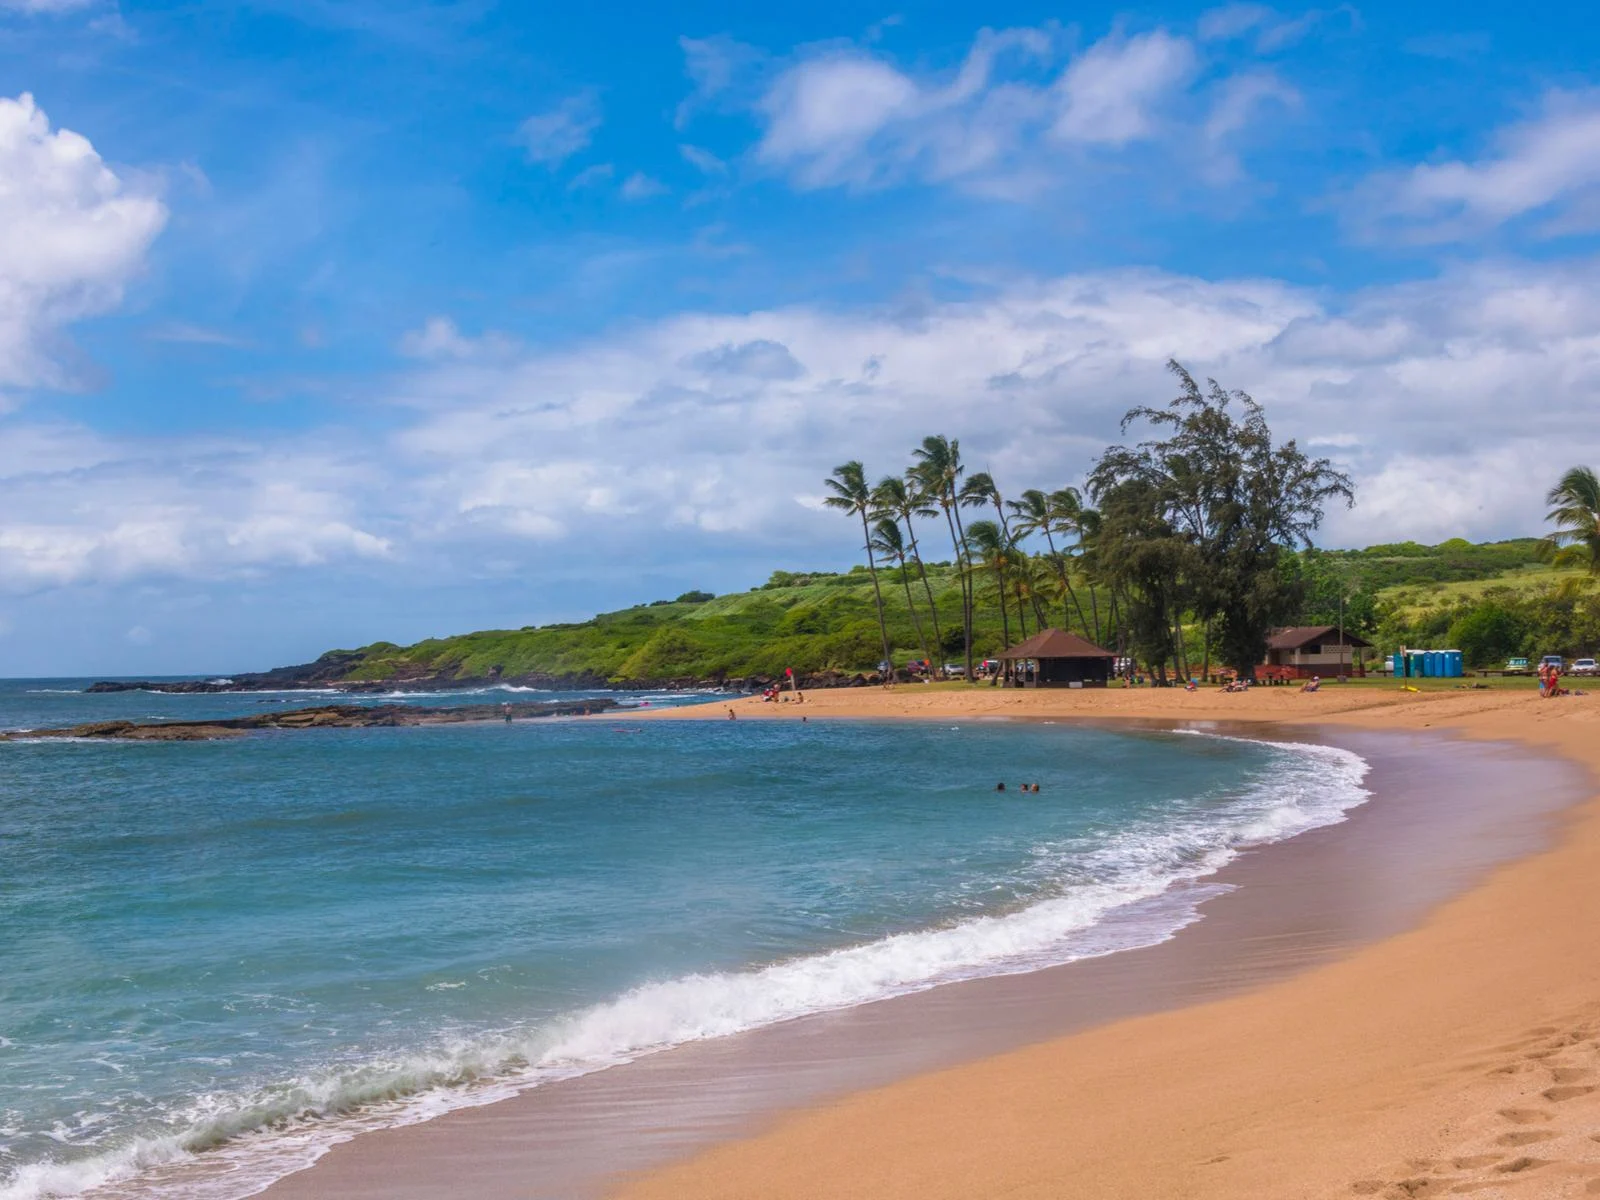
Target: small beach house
1308,650
1054,658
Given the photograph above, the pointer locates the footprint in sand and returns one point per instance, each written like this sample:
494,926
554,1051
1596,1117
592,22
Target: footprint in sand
1526,1137
1570,1074
1418,1189
1558,1094
1526,1116
1473,1162
1520,1164
1516,1068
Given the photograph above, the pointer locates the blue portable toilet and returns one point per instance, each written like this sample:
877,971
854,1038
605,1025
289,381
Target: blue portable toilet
1436,664
1457,666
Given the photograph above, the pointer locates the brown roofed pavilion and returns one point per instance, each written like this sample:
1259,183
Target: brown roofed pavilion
1059,659
1307,650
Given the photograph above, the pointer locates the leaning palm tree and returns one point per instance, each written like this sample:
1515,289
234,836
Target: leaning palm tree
979,491
893,497
1039,513
1575,510
1071,520
937,471
1086,524
987,543
1040,583
1024,573
887,540
849,486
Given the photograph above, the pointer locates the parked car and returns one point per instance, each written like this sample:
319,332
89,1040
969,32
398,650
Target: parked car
1553,660
1585,666
954,670
1517,666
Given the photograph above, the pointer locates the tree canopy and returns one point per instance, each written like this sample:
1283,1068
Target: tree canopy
1201,519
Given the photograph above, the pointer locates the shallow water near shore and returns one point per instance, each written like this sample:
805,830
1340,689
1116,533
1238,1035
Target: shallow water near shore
229,956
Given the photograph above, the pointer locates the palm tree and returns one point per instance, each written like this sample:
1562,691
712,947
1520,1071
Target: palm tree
979,491
887,540
1086,523
987,543
893,497
1029,578
1039,513
1575,510
937,471
1038,578
849,486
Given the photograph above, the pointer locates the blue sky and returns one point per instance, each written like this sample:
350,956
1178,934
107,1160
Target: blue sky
328,322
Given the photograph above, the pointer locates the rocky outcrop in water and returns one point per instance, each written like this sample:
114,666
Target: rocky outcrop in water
330,716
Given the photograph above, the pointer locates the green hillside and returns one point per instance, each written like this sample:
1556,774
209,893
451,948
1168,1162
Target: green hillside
817,621
811,621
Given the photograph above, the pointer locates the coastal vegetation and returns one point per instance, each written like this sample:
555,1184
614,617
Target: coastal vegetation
1190,548
816,620
1558,614
1193,530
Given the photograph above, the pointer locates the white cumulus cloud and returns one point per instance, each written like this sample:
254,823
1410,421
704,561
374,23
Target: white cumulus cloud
72,235
1006,118
1453,401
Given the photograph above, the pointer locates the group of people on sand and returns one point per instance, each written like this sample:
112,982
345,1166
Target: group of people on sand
1314,684
775,693
1026,787
1550,681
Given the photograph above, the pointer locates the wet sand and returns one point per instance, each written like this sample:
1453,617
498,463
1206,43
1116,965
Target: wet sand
1256,1084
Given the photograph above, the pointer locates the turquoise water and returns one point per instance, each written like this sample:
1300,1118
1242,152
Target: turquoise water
219,958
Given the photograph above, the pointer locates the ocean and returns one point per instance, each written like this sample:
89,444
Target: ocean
218,959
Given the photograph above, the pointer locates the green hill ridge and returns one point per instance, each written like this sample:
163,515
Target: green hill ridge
821,621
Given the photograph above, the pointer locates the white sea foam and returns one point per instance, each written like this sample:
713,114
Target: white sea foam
1127,892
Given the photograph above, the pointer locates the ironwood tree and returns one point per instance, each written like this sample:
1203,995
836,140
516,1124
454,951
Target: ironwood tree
1201,519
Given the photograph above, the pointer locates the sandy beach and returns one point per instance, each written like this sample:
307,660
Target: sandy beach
1461,1057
